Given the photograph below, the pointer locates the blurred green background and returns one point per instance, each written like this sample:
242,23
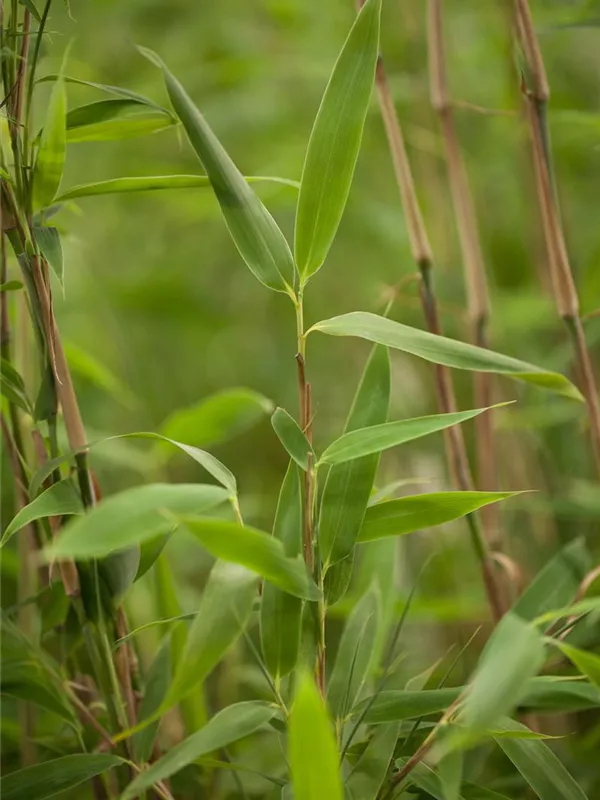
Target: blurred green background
157,295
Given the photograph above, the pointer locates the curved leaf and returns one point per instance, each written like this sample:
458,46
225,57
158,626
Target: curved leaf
51,777
60,499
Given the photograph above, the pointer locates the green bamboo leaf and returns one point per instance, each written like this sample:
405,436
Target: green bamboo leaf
254,231
118,91
441,350
11,286
540,768
450,773
131,517
313,753
229,725
550,694
281,612
394,705
377,438
125,128
50,159
31,7
254,550
150,183
585,606
419,511
104,110
337,579
354,657
587,663
217,418
556,584
224,610
60,499
12,386
426,778
156,686
368,774
335,142
513,654
292,438
48,240
52,777
150,551
348,486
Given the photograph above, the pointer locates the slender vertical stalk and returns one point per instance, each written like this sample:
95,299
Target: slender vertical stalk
473,263
536,97
456,451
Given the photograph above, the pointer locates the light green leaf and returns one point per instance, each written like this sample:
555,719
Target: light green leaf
450,773
292,438
556,584
229,725
118,91
368,774
441,350
255,550
59,499
156,686
52,777
48,240
335,142
540,768
217,418
348,486
354,657
11,286
12,386
585,606
104,110
150,183
587,663
254,231
131,517
125,128
419,511
50,159
281,612
224,610
313,753
377,438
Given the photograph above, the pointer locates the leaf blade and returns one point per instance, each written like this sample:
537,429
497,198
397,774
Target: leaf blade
51,777
292,438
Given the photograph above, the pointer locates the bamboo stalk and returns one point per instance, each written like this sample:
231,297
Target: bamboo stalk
456,453
473,263
536,98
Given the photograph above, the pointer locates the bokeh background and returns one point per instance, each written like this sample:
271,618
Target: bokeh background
160,312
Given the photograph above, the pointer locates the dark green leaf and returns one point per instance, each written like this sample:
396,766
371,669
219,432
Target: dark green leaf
394,705
548,694
157,683
149,553
48,240
367,776
292,438
337,579
59,499
52,777
104,110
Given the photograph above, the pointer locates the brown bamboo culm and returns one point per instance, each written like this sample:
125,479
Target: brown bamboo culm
456,451
536,94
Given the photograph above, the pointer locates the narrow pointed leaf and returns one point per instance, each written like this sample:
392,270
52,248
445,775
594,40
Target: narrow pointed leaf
52,777
281,612
292,438
224,610
124,128
450,773
354,657
441,350
48,240
348,486
338,578
313,753
255,233
393,705
150,183
131,517
419,511
540,768
377,438
549,694
587,663
103,110
255,550
335,142
50,159
118,91
368,774
156,686
12,386
60,499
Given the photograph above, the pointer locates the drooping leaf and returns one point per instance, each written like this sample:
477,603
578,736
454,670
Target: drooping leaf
413,513
48,240
292,438
224,610
50,159
441,350
367,776
150,183
131,517
281,612
30,5
540,768
354,657
254,550
60,499
232,723
313,753
335,141
348,486
254,231
52,777
12,386
156,686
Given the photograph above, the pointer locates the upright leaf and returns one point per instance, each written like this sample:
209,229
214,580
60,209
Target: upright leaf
255,233
52,777
50,159
313,753
368,774
281,612
348,486
335,141
48,240
292,438
157,683
441,350
355,654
